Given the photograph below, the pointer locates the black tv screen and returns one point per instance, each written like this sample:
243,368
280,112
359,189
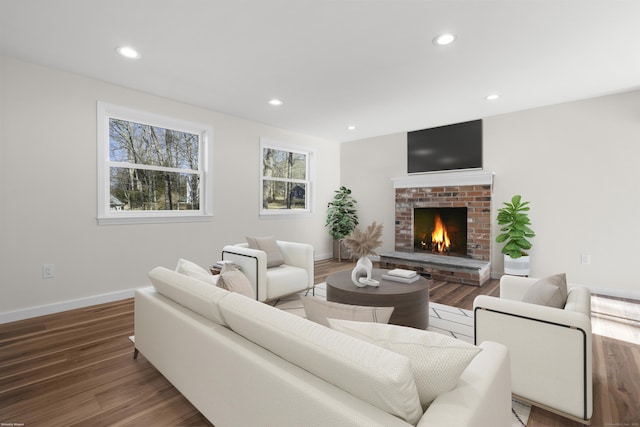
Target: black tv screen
444,148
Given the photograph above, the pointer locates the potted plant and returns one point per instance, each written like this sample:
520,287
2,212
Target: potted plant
342,219
514,221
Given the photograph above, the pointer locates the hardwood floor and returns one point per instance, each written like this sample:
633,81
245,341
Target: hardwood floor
76,368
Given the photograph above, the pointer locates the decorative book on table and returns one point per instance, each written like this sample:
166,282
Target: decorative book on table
401,275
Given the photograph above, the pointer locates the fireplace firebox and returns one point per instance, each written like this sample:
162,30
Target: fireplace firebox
440,230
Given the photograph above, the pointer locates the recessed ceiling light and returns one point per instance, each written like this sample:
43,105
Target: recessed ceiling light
492,97
351,127
444,39
128,52
275,102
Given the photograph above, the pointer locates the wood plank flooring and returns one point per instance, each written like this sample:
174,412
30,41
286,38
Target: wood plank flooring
76,368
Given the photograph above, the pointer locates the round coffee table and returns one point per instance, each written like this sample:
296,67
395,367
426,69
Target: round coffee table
411,300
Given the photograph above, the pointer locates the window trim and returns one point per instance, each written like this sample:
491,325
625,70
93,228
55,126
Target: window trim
291,213
105,216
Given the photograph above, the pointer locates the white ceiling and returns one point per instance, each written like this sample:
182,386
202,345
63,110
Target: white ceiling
334,63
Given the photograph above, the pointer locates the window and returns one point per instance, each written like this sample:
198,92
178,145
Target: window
285,179
152,168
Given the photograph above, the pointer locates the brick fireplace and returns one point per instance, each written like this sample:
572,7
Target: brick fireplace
469,190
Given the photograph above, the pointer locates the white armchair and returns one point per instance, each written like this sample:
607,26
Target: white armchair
550,348
295,275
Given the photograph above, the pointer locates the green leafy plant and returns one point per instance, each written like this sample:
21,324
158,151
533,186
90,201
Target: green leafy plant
342,218
514,219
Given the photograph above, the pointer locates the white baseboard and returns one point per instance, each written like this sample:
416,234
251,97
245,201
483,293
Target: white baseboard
616,293
329,255
42,310
323,256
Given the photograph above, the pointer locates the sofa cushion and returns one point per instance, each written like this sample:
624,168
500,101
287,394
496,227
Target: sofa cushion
375,375
318,310
269,246
234,280
550,291
437,361
192,269
189,292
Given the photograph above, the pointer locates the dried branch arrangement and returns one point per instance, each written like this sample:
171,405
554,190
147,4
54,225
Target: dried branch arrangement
362,243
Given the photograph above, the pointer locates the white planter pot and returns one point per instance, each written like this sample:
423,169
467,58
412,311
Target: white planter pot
517,267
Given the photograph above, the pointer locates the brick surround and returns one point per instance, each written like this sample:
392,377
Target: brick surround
477,200
470,189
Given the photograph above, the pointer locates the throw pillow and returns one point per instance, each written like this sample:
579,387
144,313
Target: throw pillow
550,291
234,280
437,361
270,247
192,269
319,310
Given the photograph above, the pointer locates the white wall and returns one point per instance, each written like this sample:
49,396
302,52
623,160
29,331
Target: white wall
577,163
367,167
48,194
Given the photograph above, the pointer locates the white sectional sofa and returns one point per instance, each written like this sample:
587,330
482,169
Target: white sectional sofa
244,363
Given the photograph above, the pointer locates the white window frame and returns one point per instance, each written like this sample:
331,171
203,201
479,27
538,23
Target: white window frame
309,182
105,216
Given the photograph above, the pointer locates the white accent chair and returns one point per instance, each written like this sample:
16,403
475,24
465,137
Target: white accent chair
295,275
550,348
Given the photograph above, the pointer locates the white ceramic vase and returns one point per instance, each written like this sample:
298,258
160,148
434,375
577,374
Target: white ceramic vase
363,268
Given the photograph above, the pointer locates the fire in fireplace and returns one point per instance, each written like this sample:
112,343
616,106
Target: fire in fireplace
440,230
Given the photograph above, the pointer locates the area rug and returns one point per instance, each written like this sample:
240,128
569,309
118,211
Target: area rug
443,319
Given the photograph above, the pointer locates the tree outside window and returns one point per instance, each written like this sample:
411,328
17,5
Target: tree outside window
172,181
151,169
285,179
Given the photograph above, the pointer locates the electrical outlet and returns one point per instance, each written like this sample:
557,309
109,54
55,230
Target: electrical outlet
48,271
585,259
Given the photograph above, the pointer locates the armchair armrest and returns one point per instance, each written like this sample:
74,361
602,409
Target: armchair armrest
252,262
533,312
299,255
579,300
514,287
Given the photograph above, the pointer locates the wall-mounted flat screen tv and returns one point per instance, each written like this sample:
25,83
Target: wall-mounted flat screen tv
445,148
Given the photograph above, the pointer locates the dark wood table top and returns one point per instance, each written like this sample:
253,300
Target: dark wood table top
342,280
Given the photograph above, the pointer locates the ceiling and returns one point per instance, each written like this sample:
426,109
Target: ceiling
335,63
